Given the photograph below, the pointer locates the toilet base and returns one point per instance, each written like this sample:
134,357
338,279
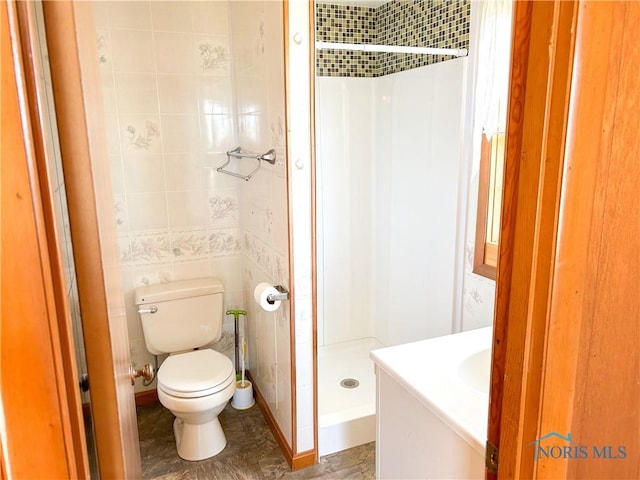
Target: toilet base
199,441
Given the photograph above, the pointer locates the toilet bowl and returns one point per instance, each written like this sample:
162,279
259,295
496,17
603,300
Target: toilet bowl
194,382
195,387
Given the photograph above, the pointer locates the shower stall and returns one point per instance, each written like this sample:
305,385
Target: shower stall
390,197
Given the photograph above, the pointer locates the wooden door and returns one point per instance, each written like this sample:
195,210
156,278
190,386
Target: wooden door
566,361
71,43
591,384
42,427
73,57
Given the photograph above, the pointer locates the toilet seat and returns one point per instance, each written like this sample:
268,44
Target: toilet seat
195,374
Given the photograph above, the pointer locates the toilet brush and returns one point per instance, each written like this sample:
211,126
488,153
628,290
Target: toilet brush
236,313
244,359
243,396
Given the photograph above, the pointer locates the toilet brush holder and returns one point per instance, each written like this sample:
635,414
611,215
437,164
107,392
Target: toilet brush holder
243,396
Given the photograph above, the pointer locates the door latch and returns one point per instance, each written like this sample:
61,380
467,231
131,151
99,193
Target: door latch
491,457
145,372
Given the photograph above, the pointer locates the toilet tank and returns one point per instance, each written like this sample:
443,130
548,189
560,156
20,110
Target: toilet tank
180,315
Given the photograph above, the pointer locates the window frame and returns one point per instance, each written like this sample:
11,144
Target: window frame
485,257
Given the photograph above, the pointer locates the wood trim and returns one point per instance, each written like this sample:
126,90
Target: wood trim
3,466
292,288
549,173
36,411
314,241
491,253
271,421
522,12
548,188
295,460
479,265
542,57
147,397
32,69
304,459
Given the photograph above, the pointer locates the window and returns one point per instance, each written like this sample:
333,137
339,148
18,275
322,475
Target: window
492,53
489,200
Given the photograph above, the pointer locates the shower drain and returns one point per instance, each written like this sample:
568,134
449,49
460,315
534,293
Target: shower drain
349,383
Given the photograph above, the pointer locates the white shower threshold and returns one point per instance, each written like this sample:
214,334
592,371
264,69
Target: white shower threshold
346,416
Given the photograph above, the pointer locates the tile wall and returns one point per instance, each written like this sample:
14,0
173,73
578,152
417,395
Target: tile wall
184,82
346,24
258,70
419,23
166,84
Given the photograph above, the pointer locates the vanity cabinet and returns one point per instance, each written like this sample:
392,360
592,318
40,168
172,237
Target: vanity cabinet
431,422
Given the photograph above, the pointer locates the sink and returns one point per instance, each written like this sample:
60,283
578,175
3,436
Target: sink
476,369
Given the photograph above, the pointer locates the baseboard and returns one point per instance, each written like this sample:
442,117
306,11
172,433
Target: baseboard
146,397
142,398
304,459
273,425
297,461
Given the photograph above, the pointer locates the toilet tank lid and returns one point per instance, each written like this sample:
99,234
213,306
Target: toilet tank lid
162,292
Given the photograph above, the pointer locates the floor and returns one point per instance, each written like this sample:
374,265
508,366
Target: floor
251,452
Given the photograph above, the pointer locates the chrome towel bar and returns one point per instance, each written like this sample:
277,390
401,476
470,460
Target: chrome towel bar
237,152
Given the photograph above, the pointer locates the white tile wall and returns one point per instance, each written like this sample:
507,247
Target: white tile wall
165,70
258,54
131,50
176,98
129,15
171,16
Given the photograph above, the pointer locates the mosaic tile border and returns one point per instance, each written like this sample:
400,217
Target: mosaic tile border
345,24
420,23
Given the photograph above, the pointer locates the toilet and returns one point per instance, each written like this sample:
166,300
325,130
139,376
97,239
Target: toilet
194,383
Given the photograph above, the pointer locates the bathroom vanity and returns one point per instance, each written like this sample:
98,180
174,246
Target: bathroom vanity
432,404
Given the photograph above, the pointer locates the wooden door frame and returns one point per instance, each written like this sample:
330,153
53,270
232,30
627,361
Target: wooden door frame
41,409
69,39
540,87
40,400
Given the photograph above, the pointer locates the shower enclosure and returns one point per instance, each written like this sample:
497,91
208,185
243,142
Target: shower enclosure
390,193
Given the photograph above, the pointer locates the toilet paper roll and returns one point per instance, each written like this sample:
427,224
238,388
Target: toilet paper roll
262,291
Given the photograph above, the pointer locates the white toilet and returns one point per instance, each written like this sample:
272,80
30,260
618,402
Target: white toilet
178,317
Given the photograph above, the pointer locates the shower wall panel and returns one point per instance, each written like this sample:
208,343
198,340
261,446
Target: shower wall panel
345,149
388,165
417,166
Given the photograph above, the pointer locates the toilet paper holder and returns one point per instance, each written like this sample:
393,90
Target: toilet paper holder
283,294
